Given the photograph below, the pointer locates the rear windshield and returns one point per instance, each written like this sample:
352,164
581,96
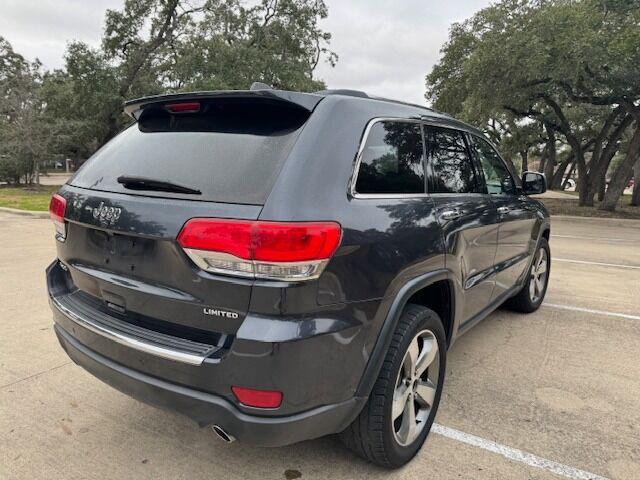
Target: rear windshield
231,150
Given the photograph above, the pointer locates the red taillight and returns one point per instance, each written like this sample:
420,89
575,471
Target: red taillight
227,236
57,208
258,398
282,242
276,250
183,107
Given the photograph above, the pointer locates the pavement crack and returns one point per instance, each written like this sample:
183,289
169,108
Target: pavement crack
7,385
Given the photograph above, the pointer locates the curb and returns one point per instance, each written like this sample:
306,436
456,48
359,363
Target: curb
597,219
25,213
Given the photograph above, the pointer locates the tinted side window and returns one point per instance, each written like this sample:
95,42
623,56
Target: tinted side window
449,160
392,159
496,174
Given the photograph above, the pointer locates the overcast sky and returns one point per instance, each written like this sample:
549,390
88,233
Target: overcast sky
385,47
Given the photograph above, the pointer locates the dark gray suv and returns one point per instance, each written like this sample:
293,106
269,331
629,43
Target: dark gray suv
282,266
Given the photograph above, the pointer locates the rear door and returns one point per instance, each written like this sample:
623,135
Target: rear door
517,220
217,158
467,216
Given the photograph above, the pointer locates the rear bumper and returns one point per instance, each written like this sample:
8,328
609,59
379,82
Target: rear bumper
161,370
207,409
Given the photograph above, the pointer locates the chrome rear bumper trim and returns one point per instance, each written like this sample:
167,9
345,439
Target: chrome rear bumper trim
128,340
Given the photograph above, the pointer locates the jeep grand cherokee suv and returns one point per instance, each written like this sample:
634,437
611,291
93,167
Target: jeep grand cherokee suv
283,266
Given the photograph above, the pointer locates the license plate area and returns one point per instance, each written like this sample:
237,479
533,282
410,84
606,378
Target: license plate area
120,252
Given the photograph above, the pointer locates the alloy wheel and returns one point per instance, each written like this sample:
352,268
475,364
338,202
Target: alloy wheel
538,278
416,386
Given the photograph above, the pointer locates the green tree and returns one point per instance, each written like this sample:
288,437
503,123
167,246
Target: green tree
559,62
157,46
277,42
83,102
24,136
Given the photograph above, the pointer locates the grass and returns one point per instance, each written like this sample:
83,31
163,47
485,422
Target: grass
34,198
569,206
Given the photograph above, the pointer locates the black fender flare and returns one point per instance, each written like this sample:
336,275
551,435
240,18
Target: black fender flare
376,359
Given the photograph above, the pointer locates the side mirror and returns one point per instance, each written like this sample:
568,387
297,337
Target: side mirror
533,183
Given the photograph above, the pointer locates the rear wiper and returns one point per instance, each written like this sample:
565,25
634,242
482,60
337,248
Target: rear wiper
142,183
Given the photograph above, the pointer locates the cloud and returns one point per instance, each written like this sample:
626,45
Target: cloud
42,28
385,47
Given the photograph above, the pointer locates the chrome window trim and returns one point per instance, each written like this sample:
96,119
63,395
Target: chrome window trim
420,121
358,160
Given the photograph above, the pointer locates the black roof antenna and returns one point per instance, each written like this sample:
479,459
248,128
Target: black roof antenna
260,86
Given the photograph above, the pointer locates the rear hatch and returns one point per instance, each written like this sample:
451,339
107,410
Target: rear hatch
187,156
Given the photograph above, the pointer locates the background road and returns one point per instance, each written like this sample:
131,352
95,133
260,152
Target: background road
562,384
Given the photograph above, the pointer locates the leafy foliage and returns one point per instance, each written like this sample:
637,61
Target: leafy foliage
151,47
23,135
572,66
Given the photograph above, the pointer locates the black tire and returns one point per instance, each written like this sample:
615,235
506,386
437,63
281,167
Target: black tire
371,435
522,301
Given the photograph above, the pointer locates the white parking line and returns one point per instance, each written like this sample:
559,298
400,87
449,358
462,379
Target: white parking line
606,239
590,310
515,454
600,264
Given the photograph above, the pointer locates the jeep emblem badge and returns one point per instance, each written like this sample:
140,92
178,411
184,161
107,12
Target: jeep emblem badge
109,215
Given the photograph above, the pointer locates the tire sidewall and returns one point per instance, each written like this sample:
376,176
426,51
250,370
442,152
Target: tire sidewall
398,454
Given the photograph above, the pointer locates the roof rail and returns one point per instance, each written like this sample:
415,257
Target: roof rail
344,91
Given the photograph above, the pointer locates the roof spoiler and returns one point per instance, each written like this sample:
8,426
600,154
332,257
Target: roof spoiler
307,101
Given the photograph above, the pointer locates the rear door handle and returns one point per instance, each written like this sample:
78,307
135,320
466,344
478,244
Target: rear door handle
503,209
451,214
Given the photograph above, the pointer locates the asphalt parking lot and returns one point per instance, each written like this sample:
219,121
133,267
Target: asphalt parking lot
555,394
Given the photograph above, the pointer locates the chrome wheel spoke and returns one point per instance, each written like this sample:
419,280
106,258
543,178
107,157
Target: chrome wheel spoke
427,355
400,397
411,360
542,268
532,288
408,427
538,277
426,393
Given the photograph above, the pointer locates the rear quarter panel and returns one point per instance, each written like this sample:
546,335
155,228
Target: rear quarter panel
386,241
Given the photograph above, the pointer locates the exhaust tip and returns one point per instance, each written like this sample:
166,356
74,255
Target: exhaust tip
227,438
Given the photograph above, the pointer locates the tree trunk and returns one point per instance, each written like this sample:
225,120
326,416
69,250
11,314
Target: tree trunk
568,176
600,182
583,186
550,165
556,180
635,196
605,147
623,173
543,160
602,187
